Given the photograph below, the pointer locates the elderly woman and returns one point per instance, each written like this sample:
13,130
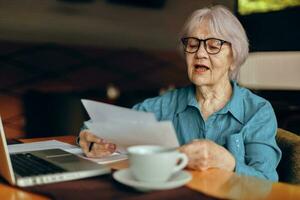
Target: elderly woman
218,123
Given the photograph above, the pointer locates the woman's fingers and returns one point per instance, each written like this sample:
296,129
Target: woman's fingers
205,154
84,142
198,154
93,146
101,150
89,136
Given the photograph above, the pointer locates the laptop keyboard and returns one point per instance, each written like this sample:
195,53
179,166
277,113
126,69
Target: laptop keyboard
26,164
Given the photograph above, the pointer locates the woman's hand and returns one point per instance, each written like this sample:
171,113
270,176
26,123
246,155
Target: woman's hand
100,148
205,154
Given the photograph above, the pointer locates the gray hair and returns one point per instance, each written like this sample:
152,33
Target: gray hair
224,25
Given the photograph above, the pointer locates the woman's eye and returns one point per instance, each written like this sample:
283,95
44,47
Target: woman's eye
213,47
193,45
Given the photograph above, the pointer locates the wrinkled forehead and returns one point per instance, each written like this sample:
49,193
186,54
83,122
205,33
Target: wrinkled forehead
205,25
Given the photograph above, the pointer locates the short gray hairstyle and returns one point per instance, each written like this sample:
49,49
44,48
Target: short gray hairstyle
224,25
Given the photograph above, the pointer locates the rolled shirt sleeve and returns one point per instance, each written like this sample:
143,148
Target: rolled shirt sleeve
254,147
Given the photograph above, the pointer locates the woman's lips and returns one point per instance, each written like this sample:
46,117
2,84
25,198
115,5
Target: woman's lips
199,68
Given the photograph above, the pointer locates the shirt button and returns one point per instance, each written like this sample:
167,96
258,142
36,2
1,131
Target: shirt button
237,140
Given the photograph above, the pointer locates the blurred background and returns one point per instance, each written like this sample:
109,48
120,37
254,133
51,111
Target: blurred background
55,52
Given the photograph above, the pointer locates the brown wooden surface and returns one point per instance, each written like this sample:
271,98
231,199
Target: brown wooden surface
105,187
210,184
228,185
11,193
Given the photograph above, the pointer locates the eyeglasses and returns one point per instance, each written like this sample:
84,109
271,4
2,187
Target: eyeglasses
211,45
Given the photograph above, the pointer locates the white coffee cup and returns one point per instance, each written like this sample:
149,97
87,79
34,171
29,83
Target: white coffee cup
151,163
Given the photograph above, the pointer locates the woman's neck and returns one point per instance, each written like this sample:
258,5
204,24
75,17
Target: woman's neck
212,98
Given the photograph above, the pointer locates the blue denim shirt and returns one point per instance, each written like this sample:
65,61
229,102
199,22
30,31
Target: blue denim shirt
246,126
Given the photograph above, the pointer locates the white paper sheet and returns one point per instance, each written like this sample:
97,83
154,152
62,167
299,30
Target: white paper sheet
34,146
105,160
100,112
136,133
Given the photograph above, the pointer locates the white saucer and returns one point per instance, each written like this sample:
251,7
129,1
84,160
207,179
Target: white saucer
179,179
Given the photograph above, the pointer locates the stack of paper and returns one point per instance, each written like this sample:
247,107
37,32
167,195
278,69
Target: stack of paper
126,127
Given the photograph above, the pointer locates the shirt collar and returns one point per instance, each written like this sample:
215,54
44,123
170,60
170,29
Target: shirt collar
187,98
234,106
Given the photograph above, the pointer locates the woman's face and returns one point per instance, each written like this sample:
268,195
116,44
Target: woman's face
208,69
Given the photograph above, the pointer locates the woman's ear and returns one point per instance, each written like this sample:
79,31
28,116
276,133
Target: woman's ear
232,72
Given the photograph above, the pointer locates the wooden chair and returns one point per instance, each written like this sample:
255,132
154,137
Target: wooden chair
289,166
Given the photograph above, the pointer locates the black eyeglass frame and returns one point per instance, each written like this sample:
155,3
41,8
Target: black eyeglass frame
185,39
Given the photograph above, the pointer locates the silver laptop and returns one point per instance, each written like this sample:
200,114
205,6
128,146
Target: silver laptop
44,166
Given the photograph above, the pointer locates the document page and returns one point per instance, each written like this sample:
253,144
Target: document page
126,127
128,134
103,112
117,156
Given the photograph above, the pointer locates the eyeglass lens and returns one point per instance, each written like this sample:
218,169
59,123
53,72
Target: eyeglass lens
211,45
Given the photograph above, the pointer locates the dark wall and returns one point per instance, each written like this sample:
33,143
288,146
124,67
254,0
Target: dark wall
286,105
50,114
273,31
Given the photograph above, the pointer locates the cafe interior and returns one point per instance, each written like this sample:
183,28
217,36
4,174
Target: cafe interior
53,53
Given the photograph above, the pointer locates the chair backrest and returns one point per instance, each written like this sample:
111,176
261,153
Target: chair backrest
289,166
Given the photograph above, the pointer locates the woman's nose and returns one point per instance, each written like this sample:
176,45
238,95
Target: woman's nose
201,51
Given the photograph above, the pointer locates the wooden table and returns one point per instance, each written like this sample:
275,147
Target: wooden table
210,184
